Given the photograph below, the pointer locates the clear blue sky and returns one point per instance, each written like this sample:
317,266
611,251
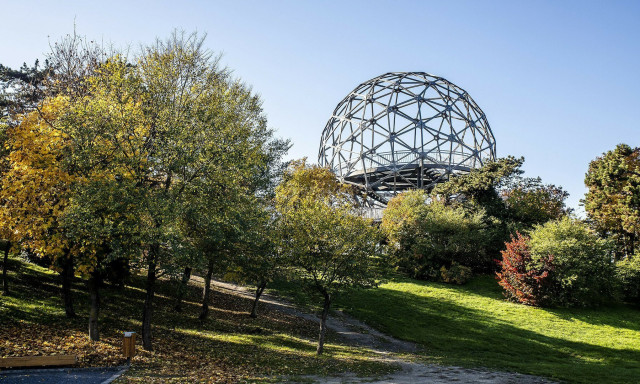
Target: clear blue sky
559,81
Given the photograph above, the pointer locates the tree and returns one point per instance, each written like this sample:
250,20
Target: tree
479,187
133,122
612,202
583,272
531,202
16,100
524,279
101,221
478,191
5,232
154,125
260,259
216,224
49,154
426,236
184,142
220,208
21,90
36,190
27,95
628,274
329,247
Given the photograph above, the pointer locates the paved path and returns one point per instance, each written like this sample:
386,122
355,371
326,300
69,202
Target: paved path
357,333
62,376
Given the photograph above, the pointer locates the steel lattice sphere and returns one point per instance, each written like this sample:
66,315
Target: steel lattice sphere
405,130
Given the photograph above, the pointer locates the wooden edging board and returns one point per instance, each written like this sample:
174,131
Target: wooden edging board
37,361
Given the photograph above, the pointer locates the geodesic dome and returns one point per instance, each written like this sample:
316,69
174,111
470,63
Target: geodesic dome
405,130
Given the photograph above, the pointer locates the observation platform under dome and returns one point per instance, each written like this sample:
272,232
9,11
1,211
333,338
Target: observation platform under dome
405,130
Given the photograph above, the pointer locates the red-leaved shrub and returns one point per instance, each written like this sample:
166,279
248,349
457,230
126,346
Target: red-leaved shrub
525,280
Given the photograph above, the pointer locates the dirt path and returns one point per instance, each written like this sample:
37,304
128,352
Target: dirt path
356,333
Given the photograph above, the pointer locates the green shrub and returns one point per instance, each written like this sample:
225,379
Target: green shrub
583,273
426,236
456,274
628,274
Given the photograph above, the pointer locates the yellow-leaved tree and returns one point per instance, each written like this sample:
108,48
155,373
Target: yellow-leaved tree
36,189
328,246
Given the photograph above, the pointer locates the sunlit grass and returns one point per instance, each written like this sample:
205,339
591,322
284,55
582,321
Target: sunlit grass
473,325
228,346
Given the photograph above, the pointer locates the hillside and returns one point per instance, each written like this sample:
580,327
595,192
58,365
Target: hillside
468,326
228,347
473,326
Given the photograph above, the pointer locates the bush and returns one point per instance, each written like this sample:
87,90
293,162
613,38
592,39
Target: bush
456,274
426,236
628,274
525,280
583,273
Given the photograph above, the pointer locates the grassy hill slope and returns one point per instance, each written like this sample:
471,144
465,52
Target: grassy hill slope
472,325
228,347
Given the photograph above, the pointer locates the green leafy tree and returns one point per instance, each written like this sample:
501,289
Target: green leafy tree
148,124
613,200
216,224
184,140
221,207
479,191
628,273
329,247
531,202
260,259
426,236
169,136
480,187
583,272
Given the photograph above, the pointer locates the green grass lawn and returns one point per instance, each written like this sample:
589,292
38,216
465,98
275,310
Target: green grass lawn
473,326
467,325
228,347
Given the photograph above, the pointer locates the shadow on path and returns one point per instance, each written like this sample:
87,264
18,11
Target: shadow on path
62,375
357,333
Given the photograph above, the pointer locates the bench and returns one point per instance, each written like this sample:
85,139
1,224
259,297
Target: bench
37,361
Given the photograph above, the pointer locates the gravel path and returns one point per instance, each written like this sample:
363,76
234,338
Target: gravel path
359,334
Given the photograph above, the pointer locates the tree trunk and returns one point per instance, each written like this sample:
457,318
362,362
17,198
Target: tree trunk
94,290
206,293
259,291
147,311
5,262
182,289
323,322
67,275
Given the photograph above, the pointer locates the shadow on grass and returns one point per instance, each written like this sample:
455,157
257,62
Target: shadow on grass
615,315
453,333
229,343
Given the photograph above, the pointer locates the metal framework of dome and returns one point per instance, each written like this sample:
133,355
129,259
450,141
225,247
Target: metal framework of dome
405,130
